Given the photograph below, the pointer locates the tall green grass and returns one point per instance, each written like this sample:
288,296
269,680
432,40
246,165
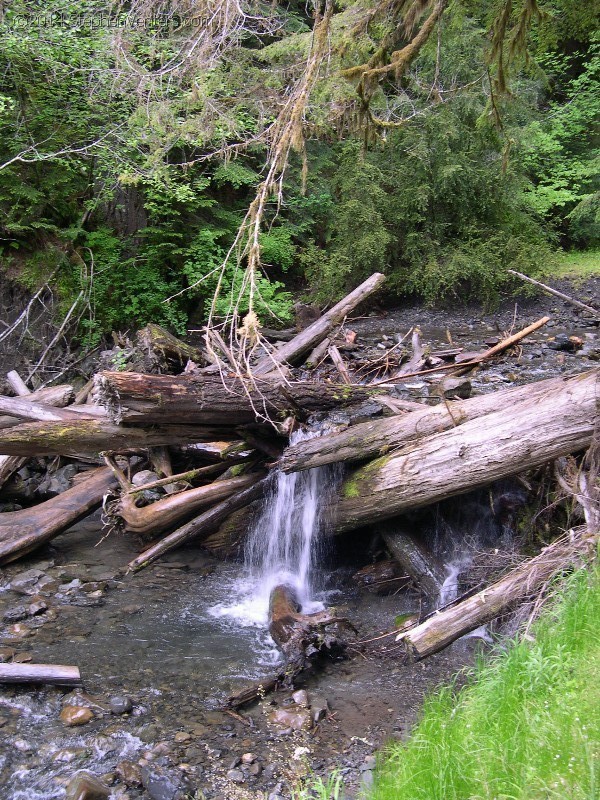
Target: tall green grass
527,727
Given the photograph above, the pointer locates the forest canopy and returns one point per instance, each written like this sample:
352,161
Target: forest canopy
155,150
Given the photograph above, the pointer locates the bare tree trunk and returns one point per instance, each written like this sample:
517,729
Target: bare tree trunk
474,454
307,339
556,293
25,530
466,614
378,437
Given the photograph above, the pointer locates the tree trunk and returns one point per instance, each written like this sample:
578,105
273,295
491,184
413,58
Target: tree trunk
93,436
306,340
164,351
480,451
201,526
378,437
134,398
164,514
27,409
466,614
55,674
227,541
25,530
414,558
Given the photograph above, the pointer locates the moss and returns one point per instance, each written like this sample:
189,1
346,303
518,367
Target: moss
357,484
237,469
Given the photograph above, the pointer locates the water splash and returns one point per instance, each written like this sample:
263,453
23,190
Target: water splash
283,545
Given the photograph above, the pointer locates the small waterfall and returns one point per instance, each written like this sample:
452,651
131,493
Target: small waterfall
283,544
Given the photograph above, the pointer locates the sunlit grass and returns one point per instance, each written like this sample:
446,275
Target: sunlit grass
526,728
574,264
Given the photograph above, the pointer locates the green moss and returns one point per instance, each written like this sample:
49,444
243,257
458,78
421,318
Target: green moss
357,483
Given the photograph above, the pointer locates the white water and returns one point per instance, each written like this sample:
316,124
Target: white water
283,545
449,592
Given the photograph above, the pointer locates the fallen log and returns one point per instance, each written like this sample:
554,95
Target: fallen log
378,437
502,443
227,541
165,351
134,398
41,412
17,384
549,290
201,526
54,674
307,339
25,530
334,355
466,614
414,558
93,436
164,514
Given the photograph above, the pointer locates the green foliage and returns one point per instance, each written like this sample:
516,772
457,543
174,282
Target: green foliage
526,727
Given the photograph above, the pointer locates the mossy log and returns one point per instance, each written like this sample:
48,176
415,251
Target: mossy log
91,436
138,399
527,434
165,351
378,437
25,530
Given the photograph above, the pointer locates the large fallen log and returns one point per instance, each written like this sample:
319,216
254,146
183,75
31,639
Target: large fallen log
166,513
306,340
28,409
549,290
528,434
378,437
25,530
93,436
134,398
466,614
201,526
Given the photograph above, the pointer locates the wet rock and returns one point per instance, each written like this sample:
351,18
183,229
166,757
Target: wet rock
129,773
301,698
182,736
72,716
15,614
22,658
162,784
451,387
69,754
120,704
24,582
85,786
318,708
38,606
144,476
236,775
6,653
565,343
295,718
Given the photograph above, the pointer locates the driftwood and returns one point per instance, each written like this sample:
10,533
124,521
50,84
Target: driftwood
334,355
378,437
93,436
55,396
300,637
532,432
166,513
17,384
468,613
200,527
134,398
318,354
55,674
556,293
25,530
414,558
41,412
292,351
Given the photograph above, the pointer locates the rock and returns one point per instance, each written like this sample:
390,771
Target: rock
69,754
301,698
248,758
129,773
6,653
236,775
85,786
255,769
38,606
22,658
120,704
296,718
144,476
15,614
182,736
451,388
75,715
382,577
318,707
162,784
24,582
564,343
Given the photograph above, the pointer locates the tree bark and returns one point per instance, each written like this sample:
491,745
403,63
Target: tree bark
480,451
306,340
25,530
165,350
93,436
55,674
164,514
414,558
378,437
201,526
55,396
466,614
133,398
41,412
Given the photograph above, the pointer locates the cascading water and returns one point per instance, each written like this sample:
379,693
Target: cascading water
283,545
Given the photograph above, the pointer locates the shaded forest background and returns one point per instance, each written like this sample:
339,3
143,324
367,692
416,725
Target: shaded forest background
134,137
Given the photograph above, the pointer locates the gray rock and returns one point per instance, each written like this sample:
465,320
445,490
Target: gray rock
162,784
120,704
85,786
15,614
236,775
25,582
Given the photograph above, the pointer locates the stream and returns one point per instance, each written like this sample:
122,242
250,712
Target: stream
159,651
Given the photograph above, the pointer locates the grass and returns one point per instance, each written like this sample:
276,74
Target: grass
527,727
575,264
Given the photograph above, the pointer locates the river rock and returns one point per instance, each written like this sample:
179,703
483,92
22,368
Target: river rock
129,773
15,614
301,698
295,718
25,582
451,388
120,704
75,715
6,653
162,784
236,775
85,786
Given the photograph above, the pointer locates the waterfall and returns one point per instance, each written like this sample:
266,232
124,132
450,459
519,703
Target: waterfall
283,544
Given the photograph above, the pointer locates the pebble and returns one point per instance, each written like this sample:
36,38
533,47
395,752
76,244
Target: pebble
129,773
162,784
236,775
6,653
85,786
75,715
22,658
301,698
295,718
120,704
